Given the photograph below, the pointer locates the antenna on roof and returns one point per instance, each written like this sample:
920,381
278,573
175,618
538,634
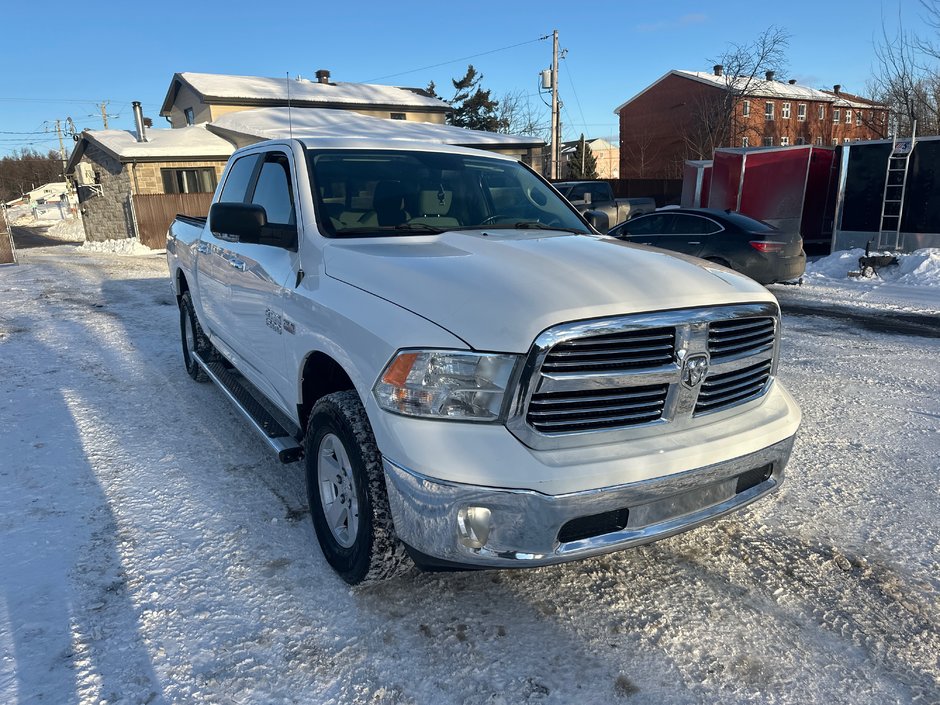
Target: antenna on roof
290,122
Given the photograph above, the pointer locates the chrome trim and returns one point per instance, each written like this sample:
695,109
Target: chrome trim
524,524
691,326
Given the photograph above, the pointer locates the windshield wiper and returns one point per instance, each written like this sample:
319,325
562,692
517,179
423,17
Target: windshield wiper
419,227
389,231
538,225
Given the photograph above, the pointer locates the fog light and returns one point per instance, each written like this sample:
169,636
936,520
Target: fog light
473,526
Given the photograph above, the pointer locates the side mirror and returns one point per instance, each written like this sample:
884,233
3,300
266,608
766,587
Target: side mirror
249,223
598,220
243,220
587,199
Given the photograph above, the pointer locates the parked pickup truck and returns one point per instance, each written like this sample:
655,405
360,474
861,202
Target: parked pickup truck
472,376
598,197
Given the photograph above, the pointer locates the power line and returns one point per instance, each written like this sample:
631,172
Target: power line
576,99
454,61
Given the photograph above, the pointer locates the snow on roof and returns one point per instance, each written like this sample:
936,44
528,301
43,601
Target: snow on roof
757,87
192,141
313,123
259,88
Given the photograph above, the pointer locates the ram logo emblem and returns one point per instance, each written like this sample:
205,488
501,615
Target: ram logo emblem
694,370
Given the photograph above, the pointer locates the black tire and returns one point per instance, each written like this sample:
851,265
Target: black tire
191,334
374,552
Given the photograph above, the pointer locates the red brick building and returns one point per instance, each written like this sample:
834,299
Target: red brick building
687,114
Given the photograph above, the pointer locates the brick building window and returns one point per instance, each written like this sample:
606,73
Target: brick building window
768,141
201,180
785,111
836,114
745,141
801,112
848,116
822,112
819,141
846,140
834,141
784,141
858,118
768,110
746,108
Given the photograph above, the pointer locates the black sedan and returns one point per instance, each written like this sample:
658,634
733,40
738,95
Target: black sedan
744,244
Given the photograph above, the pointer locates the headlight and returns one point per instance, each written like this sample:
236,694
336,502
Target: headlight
444,384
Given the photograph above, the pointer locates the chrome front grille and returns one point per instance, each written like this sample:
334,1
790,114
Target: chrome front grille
740,336
720,391
564,412
616,378
627,350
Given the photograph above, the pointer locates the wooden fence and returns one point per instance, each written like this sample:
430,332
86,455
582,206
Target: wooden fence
155,212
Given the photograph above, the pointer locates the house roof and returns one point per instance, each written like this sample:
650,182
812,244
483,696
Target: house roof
258,90
760,88
596,143
249,126
186,143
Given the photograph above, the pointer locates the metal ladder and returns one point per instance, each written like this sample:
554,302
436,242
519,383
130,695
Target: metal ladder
892,205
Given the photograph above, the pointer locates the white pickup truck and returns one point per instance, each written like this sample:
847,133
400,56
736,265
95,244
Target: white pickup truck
473,376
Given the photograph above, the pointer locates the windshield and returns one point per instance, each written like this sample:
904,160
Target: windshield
380,193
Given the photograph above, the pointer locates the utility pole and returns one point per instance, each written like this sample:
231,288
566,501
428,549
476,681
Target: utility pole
104,113
58,131
555,121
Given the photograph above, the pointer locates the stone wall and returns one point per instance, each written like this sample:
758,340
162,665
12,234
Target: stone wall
108,216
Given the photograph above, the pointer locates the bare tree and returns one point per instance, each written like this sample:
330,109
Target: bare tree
717,121
517,116
907,74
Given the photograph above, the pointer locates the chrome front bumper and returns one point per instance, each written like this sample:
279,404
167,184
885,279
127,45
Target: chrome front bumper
523,525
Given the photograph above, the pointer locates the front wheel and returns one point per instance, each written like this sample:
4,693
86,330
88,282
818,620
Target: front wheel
347,494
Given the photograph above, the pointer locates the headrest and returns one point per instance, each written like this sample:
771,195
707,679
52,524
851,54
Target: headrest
435,202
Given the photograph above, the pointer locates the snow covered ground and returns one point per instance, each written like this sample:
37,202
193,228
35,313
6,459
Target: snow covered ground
153,551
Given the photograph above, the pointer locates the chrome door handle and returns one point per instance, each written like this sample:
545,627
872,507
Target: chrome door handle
238,264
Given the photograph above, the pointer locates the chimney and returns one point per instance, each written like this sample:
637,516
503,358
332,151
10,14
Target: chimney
769,75
792,81
718,68
139,121
836,88
323,76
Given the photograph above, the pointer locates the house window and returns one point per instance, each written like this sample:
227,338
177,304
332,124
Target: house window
745,141
768,141
785,111
834,141
858,118
848,116
201,180
822,112
746,108
784,141
846,140
190,116
801,112
397,116
819,141
768,110
836,114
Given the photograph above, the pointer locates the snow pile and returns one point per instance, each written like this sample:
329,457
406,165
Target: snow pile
919,268
70,229
128,246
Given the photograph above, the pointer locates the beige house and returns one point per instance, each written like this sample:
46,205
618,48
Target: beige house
195,98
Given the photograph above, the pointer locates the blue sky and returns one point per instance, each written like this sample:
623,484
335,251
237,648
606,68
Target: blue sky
61,59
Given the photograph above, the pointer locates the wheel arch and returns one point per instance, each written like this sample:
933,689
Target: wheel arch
321,375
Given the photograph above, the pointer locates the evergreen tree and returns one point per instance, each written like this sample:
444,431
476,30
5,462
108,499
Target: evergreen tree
473,108
583,164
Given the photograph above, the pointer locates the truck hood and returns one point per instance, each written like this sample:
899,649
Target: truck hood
498,289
